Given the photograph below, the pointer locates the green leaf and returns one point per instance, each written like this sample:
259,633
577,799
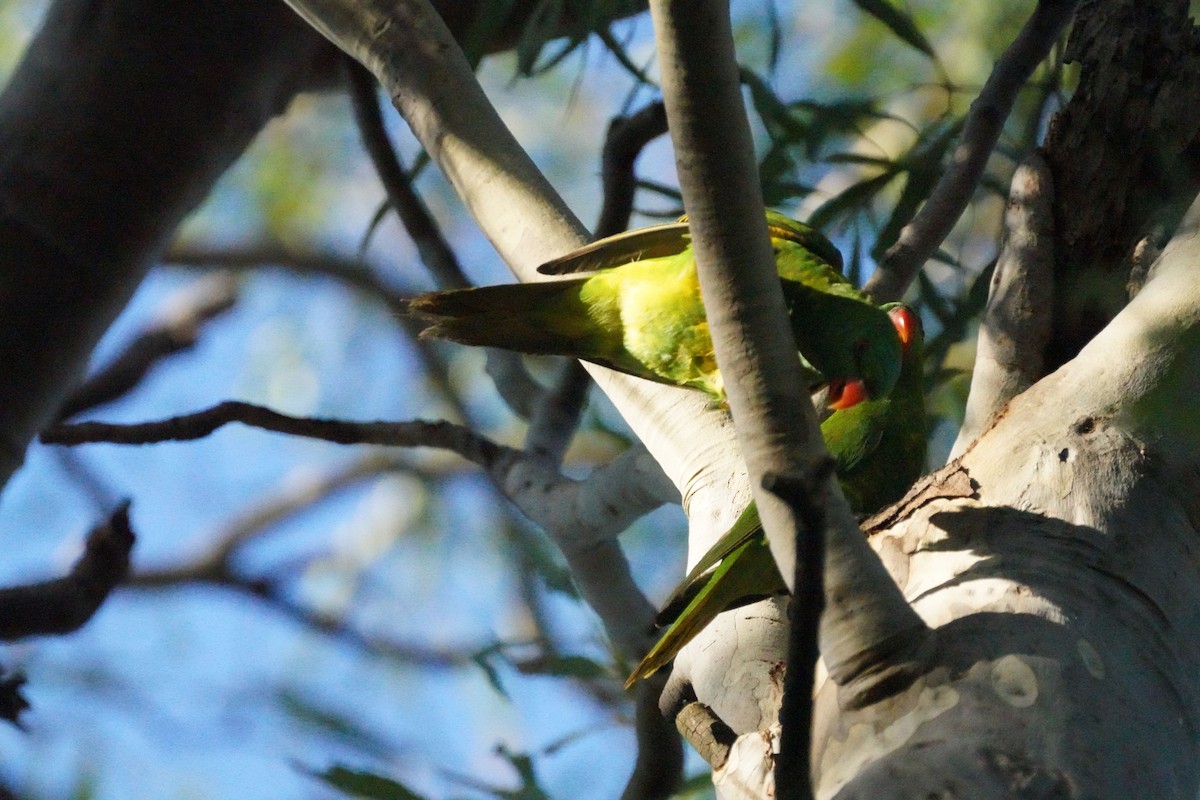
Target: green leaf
853,198
899,23
530,788
366,785
567,666
483,660
924,167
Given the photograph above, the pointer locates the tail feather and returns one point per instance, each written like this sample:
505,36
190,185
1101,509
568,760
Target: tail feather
538,318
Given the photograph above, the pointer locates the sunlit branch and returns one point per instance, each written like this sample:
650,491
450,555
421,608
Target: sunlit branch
1016,325
64,604
985,120
705,731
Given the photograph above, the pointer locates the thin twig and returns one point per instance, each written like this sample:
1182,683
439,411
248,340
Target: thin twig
432,247
177,332
985,120
64,604
445,435
518,390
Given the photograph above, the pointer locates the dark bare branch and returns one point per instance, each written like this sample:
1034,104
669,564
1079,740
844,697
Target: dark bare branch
627,137
921,237
659,767
65,604
432,247
187,427
176,333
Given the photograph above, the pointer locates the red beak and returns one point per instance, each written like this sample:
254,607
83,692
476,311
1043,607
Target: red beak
906,324
845,394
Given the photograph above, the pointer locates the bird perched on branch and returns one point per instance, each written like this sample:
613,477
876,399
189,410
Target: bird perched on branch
878,447
636,308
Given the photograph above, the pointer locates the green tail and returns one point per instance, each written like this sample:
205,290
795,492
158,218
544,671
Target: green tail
537,318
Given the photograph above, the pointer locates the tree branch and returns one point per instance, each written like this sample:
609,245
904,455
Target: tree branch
627,137
659,768
518,390
436,254
408,48
65,604
868,625
444,435
1124,152
178,332
1016,325
985,120
127,87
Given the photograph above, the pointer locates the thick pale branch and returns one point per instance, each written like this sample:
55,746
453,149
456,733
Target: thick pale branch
410,51
747,319
867,618
984,122
1016,325
743,301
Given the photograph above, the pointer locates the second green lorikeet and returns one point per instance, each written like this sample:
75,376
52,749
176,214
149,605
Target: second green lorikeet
878,447
637,309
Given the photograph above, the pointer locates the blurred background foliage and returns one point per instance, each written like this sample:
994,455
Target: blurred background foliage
382,621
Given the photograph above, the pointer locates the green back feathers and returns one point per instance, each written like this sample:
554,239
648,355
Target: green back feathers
635,306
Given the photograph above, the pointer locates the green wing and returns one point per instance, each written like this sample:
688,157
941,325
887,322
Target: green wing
878,447
636,307
655,241
736,579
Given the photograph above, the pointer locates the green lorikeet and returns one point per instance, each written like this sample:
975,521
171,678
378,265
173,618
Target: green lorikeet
638,310
878,447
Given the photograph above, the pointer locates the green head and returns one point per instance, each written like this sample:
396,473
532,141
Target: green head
864,360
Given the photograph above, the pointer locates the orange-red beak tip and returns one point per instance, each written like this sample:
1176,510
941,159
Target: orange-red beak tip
845,394
905,322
